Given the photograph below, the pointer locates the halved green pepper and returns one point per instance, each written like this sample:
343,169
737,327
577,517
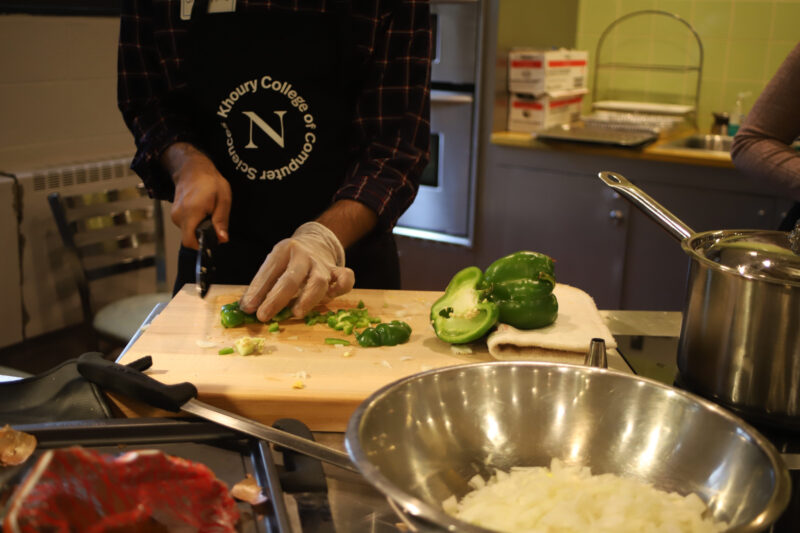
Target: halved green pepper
463,314
521,284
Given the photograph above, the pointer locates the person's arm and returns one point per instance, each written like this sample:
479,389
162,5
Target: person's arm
761,148
349,221
392,119
150,89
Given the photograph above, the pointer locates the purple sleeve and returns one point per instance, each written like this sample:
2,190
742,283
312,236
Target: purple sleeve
762,147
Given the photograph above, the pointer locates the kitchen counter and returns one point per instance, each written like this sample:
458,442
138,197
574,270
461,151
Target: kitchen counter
657,151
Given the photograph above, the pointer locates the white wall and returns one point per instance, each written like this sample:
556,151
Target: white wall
58,91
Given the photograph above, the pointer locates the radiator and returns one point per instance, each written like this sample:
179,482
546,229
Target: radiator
49,294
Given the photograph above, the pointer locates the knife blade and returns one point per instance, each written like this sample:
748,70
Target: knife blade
130,382
204,268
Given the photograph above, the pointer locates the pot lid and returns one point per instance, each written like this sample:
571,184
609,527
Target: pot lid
753,254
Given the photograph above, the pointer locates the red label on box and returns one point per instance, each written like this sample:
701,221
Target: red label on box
528,105
567,63
559,103
526,63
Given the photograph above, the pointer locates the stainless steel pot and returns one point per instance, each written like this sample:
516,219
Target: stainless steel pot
740,336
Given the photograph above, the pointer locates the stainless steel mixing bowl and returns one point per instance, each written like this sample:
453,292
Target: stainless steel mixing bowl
419,440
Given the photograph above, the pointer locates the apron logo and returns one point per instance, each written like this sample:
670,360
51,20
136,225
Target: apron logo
279,139
298,113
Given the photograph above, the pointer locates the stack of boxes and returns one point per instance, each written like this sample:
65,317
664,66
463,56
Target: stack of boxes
546,88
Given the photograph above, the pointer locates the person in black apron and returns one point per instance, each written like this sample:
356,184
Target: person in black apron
271,97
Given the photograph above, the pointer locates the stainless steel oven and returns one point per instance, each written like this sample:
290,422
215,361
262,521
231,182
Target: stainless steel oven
445,205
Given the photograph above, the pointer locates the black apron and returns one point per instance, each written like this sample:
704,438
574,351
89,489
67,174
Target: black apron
272,97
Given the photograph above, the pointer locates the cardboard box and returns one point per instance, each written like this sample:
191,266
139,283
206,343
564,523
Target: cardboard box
530,114
546,71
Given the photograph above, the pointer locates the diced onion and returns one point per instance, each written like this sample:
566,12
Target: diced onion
460,349
569,499
202,343
248,490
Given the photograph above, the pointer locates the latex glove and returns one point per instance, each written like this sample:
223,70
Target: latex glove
309,265
200,190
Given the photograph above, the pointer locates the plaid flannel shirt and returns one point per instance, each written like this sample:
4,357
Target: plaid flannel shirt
391,123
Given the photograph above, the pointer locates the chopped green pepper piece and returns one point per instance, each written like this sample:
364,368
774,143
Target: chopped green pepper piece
312,317
283,314
521,284
231,316
385,334
463,314
273,327
333,340
226,351
368,338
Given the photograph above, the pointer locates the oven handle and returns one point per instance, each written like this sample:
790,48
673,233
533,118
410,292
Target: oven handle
451,97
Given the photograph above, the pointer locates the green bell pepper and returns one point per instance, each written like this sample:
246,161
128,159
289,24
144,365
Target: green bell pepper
385,334
521,284
463,313
232,317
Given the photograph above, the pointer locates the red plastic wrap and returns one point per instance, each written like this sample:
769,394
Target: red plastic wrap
77,489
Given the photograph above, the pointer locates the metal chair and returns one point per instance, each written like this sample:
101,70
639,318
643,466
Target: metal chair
109,233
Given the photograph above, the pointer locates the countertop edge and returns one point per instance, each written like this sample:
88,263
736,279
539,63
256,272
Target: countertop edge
654,152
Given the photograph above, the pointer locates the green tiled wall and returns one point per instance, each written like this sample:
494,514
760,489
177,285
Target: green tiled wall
744,42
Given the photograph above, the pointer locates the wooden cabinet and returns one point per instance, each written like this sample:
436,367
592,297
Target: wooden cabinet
577,221
552,201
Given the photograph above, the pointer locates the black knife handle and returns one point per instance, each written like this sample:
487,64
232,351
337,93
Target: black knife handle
133,384
206,230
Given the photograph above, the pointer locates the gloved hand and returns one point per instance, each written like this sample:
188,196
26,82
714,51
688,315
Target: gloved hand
309,265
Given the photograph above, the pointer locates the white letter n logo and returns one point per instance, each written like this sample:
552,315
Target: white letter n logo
265,128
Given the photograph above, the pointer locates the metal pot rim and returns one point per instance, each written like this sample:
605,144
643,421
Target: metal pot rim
422,510
691,244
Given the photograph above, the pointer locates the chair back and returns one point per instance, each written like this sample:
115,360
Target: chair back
106,233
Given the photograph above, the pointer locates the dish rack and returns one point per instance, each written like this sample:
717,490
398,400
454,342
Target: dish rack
649,115
618,120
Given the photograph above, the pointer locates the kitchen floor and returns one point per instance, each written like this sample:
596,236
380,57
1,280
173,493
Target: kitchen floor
46,351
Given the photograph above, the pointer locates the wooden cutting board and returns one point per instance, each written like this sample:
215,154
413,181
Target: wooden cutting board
185,338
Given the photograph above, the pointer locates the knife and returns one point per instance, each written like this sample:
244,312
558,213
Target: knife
130,382
204,268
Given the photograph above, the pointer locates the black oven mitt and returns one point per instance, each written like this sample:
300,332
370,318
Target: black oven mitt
57,395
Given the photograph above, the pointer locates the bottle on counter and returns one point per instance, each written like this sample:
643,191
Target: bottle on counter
737,116
721,123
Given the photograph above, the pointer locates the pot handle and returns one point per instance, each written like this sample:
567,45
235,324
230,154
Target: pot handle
646,204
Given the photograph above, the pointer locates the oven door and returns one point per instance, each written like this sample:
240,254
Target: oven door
443,203
454,27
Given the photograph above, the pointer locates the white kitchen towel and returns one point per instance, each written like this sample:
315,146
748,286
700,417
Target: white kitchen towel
566,340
